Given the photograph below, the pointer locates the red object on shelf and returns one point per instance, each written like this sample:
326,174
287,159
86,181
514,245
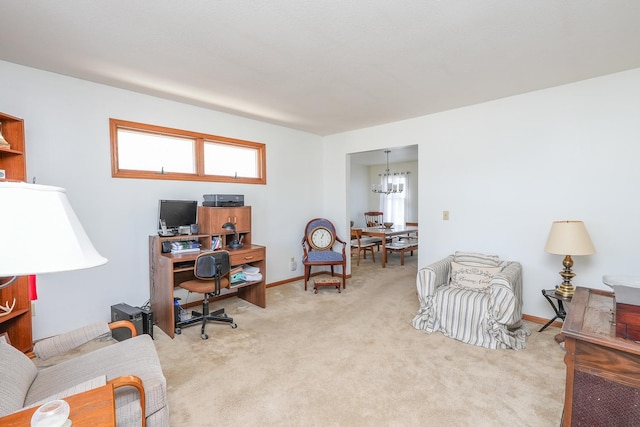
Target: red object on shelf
33,292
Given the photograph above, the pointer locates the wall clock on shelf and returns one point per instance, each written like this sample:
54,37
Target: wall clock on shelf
321,238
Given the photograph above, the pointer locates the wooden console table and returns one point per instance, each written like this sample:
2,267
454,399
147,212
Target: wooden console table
93,408
603,372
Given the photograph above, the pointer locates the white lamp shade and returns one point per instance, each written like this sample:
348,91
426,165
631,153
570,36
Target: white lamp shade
569,238
40,232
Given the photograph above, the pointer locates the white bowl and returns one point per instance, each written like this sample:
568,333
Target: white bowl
51,414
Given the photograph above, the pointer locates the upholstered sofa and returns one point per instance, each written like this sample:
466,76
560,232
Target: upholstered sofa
474,298
25,384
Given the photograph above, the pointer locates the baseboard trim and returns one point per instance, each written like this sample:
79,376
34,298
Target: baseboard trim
541,320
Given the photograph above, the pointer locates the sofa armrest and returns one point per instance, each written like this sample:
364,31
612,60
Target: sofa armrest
50,347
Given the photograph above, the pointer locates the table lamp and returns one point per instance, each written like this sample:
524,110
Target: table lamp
568,238
40,233
235,243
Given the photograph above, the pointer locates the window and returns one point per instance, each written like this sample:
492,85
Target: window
152,152
394,205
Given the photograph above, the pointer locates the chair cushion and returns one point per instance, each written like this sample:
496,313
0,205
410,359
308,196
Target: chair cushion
324,256
476,259
18,373
472,277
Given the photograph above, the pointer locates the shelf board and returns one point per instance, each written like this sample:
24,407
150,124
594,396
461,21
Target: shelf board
15,313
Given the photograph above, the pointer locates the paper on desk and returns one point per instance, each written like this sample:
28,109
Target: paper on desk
626,288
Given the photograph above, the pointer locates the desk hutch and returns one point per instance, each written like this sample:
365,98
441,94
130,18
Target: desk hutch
17,324
168,270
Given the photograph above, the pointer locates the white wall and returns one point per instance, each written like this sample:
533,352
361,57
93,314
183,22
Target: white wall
506,169
67,139
359,193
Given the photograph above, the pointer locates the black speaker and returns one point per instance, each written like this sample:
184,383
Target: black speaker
126,312
166,247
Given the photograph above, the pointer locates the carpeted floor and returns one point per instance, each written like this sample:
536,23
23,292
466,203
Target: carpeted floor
353,359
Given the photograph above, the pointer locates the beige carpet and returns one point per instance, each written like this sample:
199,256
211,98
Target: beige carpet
353,359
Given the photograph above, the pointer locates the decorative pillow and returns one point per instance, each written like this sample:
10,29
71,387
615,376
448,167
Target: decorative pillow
476,259
472,277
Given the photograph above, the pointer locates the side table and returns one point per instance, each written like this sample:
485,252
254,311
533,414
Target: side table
558,307
93,408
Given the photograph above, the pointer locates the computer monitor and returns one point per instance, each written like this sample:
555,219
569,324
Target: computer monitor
176,213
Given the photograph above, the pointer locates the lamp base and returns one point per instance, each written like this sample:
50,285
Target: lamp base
566,289
236,245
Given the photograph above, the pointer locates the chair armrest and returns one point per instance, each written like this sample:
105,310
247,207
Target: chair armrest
50,347
124,324
344,245
132,381
433,276
428,280
506,294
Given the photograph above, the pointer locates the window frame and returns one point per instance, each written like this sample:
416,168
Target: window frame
199,140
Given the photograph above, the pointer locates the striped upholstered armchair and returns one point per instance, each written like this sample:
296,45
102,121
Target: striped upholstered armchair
473,298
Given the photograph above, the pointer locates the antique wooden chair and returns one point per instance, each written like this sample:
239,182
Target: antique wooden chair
317,244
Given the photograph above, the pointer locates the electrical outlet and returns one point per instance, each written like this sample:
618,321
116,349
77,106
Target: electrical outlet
445,215
293,265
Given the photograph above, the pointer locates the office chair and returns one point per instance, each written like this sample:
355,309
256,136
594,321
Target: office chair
211,270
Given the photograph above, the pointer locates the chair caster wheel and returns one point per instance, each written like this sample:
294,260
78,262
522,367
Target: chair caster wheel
233,326
178,331
204,336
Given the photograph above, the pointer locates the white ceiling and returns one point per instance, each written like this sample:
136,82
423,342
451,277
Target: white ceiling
325,66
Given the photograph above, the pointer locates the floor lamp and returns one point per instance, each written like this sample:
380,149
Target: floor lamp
40,233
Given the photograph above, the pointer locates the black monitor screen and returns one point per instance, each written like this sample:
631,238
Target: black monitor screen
178,212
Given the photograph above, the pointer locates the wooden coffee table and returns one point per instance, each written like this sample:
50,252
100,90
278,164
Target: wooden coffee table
93,408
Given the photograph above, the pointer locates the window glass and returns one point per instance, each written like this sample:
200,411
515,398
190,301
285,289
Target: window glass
140,150
228,160
155,152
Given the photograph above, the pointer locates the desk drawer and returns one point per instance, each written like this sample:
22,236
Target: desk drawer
248,256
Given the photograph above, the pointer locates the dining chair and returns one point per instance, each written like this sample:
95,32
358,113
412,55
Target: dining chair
359,245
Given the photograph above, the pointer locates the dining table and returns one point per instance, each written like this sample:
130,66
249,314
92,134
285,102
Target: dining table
384,233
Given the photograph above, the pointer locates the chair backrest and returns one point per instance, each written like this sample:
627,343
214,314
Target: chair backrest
372,219
210,265
319,221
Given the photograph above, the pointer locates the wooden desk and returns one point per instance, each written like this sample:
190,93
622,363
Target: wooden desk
93,408
167,270
383,233
603,372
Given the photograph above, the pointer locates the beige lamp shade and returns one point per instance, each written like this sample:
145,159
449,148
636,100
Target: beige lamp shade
40,232
569,238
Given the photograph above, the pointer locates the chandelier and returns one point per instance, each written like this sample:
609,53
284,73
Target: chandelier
388,187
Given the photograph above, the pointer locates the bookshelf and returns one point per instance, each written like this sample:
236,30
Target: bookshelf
17,324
